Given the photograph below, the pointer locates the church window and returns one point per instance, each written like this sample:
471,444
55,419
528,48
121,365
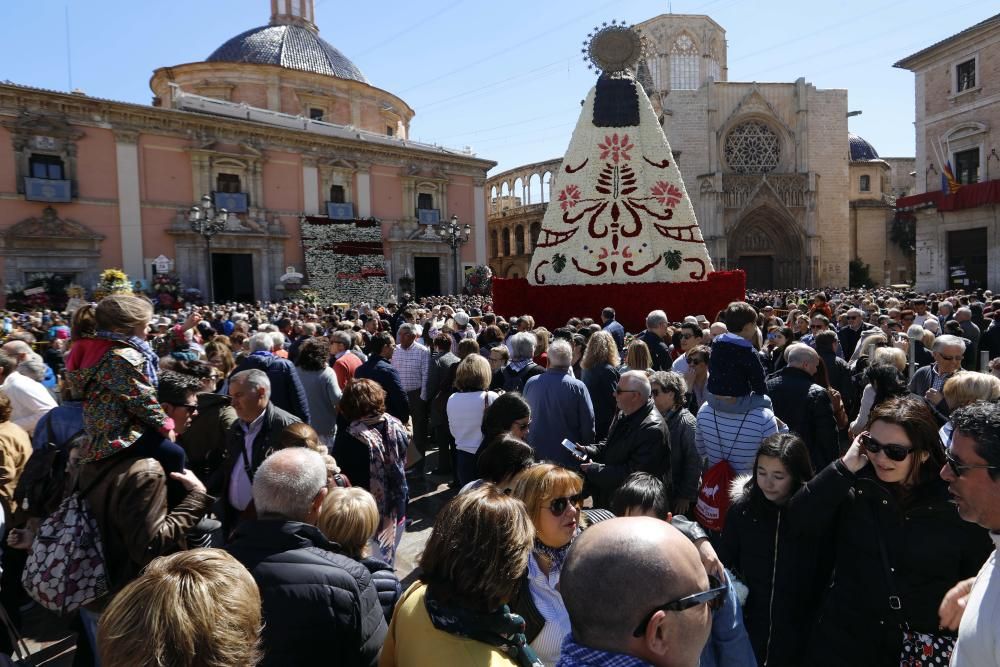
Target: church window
316,114
425,200
49,167
535,230
389,131
713,69
684,64
337,194
967,166
865,184
519,239
965,75
752,148
227,183
296,7
506,243
494,245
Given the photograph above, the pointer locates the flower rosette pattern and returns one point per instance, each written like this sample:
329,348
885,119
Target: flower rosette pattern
615,149
569,197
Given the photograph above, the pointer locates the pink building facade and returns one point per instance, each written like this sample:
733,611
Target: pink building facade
275,125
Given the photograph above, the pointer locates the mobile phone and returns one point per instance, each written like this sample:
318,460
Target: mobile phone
573,449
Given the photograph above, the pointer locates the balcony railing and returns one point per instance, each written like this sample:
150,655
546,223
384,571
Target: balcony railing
234,202
428,216
336,211
47,190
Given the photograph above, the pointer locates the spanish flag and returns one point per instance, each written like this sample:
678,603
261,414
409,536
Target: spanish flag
949,185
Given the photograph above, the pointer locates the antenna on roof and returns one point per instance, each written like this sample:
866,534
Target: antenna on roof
69,59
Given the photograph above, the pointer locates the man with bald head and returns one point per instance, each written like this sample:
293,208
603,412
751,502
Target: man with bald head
805,405
667,619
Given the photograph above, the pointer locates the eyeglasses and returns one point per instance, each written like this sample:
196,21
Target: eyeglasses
958,468
713,597
188,406
816,326
894,452
619,390
558,506
946,357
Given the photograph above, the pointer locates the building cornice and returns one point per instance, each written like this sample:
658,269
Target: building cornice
87,111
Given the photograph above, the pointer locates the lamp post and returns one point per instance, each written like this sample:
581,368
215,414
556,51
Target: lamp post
207,221
455,235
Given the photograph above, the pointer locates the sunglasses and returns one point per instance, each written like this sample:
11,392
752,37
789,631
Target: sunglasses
687,336
949,358
894,452
188,406
713,597
619,390
558,506
817,326
958,468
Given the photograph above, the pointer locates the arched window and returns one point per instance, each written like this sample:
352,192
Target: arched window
506,242
534,231
684,64
752,148
337,194
546,186
519,239
494,246
865,184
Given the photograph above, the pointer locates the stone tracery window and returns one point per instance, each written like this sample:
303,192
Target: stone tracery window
752,148
684,64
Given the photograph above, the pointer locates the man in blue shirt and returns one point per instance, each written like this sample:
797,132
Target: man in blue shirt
560,408
613,327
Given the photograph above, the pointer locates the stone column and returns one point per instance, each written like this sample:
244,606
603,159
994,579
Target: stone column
479,218
363,194
129,206
310,187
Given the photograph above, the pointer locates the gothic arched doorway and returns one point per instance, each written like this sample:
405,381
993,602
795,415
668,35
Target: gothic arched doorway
767,245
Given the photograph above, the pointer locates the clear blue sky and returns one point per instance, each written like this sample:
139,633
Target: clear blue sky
505,78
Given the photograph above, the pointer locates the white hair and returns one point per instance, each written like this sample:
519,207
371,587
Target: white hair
253,380
798,353
261,342
522,346
560,354
948,340
287,483
277,339
656,318
637,380
32,367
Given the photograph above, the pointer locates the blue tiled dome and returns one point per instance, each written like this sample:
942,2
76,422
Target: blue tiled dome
289,46
861,150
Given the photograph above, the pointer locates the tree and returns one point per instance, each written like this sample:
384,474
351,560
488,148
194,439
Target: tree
860,275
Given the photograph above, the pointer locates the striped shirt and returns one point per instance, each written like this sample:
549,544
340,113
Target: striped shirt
733,436
412,365
545,594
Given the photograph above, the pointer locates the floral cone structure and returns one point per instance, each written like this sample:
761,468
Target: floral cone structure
620,213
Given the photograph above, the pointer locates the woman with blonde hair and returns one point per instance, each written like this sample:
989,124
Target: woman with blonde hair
198,608
457,613
892,356
465,411
600,374
349,517
964,388
638,357
541,356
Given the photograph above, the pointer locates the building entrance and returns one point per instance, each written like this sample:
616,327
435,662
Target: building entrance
232,277
967,259
426,276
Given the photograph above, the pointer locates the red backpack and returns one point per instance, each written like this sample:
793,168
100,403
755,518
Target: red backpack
713,497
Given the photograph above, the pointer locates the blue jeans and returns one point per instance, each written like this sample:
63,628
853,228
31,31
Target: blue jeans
90,620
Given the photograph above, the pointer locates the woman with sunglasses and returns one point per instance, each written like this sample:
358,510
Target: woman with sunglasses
899,543
697,377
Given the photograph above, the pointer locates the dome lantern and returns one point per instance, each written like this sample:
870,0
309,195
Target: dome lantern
294,12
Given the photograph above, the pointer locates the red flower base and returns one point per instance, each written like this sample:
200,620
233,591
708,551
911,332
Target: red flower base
553,305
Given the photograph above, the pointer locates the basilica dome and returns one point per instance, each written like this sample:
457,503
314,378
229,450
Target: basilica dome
291,46
861,150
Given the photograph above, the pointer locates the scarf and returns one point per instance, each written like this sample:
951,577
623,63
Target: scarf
555,555
140,344
501,628
387,441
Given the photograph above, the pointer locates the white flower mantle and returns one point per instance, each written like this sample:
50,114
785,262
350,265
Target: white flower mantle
345,261
621,214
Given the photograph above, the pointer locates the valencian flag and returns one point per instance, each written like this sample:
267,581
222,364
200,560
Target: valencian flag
949,185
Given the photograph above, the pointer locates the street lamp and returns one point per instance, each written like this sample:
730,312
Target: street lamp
208,222
455,235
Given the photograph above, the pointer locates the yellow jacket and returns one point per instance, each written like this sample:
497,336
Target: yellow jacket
413,641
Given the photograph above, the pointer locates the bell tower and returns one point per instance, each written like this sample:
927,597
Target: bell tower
294,12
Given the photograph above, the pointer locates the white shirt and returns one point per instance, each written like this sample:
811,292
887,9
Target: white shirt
465,418
978,642
240,486
680,364
29,400
545,594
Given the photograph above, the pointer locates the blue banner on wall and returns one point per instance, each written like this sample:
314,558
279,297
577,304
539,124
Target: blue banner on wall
428,216
339,211
234,202
43,189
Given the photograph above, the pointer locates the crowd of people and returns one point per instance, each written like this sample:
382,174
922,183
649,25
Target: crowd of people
799,479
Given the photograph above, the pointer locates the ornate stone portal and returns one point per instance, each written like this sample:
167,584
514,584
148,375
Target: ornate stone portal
50,244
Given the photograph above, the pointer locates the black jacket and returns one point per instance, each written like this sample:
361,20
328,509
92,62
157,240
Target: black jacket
806,408
386,584
382,372
786,573
286,388
838,372
437,376
929,547
658,349
849,338
639,442
320,607
601,382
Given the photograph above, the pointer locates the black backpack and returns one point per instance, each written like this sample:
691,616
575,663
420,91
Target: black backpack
514,380
41,486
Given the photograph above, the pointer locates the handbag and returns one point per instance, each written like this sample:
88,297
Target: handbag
65,569
919,648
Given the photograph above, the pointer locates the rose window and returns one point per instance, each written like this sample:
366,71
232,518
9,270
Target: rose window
752,148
